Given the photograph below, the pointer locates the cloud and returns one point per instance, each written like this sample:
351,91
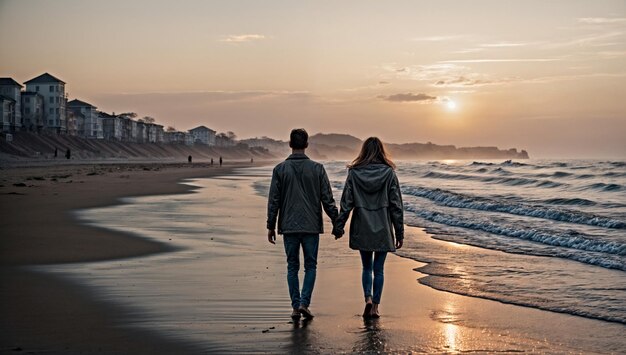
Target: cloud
462,81
598,39
503,45
601,20
426,72
439,38
242,38
368,87
409,97
208,97
472,80
496,60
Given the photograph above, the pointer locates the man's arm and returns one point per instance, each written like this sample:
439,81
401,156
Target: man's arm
273,205
328,201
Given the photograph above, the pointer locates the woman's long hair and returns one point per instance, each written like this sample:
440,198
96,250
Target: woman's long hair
372,152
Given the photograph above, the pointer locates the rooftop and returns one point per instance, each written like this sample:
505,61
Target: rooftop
77,102
44,78
105,115
9,81
201,128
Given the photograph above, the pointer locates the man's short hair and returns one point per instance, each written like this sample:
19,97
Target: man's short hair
298,139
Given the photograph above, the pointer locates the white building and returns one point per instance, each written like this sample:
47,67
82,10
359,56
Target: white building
8,113
11,105
32,111
93,122
111,126
203,135
142,132
53,91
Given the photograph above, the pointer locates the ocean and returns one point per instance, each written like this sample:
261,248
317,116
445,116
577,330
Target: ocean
549,234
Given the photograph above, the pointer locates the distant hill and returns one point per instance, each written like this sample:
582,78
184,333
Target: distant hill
345,146
335,140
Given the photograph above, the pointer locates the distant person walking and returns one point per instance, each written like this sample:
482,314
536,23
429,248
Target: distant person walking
189,159
298,192
68,154
220,161
56,152
372,193
211,161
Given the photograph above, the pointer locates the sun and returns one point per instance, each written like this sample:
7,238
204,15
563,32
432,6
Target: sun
451,105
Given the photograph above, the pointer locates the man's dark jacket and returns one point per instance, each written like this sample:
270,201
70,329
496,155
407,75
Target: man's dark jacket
299,190
372,194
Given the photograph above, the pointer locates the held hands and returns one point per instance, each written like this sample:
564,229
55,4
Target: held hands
337,233
271,236
399,243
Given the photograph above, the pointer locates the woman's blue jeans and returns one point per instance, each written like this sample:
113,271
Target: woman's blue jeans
310,244
373,264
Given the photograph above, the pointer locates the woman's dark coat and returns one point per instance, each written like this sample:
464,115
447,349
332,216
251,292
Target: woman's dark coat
372,192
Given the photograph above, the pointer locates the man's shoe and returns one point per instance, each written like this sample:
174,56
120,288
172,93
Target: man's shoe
306,313
295,315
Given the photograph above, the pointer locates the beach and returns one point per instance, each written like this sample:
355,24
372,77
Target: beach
186,268
48,313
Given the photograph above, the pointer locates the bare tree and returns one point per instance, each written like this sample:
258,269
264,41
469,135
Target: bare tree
147,119
171,129
231,135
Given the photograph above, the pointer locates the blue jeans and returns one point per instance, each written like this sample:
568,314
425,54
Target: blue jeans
377,268
310,243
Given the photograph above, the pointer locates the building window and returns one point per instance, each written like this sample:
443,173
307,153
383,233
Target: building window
57,99
51,88
51,100
27,110
50,123
27,100
57,110
51,111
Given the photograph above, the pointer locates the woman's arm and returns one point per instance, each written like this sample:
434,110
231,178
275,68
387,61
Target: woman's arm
396,208
347,204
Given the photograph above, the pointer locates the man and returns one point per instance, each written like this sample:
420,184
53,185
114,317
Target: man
298,192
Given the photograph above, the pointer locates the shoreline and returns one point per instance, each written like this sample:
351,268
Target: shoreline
61,190
51,313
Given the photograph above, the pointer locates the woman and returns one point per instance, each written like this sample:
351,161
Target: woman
373,193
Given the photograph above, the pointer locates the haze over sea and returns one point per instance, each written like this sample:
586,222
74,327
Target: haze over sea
560,223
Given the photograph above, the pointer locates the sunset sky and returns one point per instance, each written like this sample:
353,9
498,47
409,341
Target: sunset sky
546,76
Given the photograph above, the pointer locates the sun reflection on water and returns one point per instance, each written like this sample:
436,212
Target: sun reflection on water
451,336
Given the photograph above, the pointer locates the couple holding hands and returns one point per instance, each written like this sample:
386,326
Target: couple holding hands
300,190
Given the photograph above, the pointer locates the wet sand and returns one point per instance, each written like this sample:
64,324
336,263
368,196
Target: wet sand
48,313
223,290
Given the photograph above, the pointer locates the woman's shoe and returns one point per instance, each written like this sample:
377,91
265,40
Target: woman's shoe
367,312
295,315
306,313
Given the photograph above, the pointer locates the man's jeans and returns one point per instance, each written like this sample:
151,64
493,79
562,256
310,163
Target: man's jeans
310,243
378,269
